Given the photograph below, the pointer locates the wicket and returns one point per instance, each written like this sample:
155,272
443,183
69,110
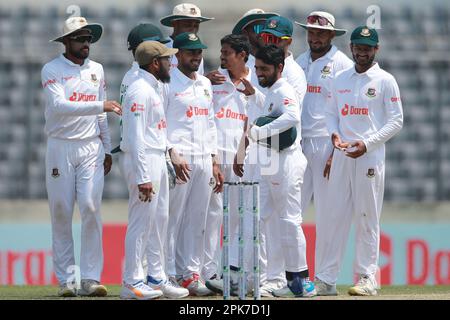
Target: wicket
226,240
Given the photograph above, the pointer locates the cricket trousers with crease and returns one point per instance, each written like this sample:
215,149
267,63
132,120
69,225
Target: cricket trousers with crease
74,172
147,221
356,190
188,207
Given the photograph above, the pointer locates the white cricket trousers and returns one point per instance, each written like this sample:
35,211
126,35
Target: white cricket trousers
283,203
317,151
147,221
188,207
356,189
74,172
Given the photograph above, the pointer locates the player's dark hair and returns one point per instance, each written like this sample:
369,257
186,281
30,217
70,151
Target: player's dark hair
271,55
238,43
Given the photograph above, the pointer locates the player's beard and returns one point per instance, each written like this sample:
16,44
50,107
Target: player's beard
80,54
364,64
268,81
163,74
323,49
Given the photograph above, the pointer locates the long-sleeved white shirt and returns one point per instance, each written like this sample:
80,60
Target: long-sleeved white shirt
144,123
365,106
280,101
230,108
74,97
318,75
189,111
174,61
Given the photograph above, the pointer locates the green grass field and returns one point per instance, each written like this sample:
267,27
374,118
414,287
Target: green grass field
386,293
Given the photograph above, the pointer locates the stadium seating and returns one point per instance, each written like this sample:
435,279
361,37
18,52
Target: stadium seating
414,49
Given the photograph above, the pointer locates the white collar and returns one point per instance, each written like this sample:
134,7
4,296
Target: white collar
150,78
372,71
183,78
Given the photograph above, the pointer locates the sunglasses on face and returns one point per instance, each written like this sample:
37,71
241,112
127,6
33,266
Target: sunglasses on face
321,21
257,28
81,39
269,38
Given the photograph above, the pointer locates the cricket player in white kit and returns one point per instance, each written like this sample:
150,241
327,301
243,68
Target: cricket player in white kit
185,17
192,132
143,165
278,31
365,112
230,107
78,154
321,63
284,182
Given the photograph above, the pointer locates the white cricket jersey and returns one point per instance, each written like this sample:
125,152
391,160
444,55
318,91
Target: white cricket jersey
128,79
74,97
365,106
295,77
280,101
318,75
174,61
230,108
190,115
144,122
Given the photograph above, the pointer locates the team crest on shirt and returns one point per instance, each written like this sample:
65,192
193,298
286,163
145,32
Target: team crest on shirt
371,173
55,173
207,94
212,182
271,107
371,93
94,78
325,71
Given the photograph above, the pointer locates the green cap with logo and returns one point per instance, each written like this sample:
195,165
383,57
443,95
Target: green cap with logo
278,26
364,35
188,41
145,32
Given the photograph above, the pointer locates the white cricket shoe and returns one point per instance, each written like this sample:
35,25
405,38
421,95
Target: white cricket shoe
139,291
170,289
364,287
325,289
270,286
67,291
196,286
92,288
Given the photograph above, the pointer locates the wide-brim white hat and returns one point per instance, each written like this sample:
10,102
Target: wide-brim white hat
78,23
182,12
330,26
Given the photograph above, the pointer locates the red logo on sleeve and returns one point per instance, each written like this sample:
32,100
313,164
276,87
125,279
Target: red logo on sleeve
396,99
48,82
137,107
288,101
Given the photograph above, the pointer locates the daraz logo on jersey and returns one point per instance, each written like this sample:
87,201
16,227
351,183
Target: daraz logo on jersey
346,110
230,114
77,96
196,111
